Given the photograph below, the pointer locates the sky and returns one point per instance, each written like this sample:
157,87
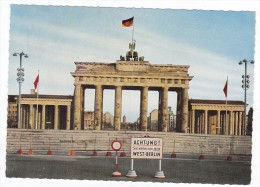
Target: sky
54,37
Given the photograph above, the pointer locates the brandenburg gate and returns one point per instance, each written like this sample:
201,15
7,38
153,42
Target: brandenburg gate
131,73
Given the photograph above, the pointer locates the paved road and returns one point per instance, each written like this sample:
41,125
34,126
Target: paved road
183,169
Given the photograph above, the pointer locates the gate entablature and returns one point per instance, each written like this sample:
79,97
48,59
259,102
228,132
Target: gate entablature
133,73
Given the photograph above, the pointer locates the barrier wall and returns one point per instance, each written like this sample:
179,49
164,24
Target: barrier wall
66,140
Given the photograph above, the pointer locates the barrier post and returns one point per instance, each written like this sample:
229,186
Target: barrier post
229,158
201,157
20,151
94,153
49,152
173,155
30,151
123,154
72,152
109,152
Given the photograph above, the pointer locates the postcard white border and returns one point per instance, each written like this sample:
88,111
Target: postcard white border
234,5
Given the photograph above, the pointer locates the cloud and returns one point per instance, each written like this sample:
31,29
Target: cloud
210,70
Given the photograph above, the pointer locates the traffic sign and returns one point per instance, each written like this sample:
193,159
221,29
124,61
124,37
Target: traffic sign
146,148
116,145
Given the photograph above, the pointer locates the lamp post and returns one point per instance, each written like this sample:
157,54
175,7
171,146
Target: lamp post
20,79
245,86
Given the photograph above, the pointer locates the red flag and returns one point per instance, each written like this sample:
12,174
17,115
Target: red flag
36,81
128,22
225,90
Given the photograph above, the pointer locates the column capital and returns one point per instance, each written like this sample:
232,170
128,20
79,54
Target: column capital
98,85
165,88
77,84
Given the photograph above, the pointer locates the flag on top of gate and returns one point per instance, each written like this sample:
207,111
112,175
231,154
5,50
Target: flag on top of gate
128,22
225,89
35,83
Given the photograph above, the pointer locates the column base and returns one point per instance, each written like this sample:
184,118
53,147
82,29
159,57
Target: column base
131,174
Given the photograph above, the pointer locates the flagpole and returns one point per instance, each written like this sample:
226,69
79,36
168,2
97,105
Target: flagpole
226,111
37,103
133,39
133,33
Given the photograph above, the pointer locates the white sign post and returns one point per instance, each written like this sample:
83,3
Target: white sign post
147,148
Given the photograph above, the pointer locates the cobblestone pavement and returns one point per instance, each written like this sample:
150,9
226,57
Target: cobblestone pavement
183,169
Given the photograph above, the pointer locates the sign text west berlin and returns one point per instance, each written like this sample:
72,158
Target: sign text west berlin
146,148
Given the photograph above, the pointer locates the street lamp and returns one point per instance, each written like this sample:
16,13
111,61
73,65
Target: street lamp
245,86
20,79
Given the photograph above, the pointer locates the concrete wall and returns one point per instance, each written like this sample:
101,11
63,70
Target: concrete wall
65,140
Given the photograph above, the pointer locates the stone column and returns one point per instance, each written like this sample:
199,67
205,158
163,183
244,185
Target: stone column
160,111
164,111
43,116
26,111
25,117
39,116
200,123
98,107
143,108
31,117
231,125
22,117
118,108
185,112
221,123
201,118
77,107
82,97
240,123
227,123
224,123
178,115
68,118
56,117
206,121
218,122
236,124
193,118
197,118
243,125
203,123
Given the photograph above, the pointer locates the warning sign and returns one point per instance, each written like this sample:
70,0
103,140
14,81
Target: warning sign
146,148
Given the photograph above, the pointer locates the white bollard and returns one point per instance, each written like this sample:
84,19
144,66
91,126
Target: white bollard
159,174
131,173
